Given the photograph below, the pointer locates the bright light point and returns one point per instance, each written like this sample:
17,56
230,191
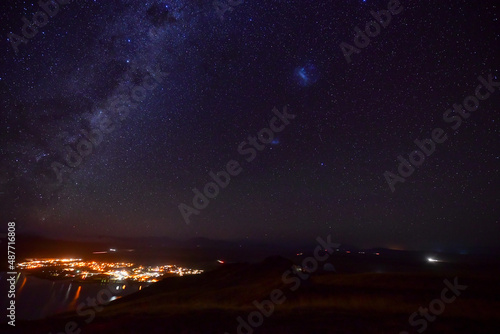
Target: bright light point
220,261
430,259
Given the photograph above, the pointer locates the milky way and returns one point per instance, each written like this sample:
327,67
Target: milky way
174,87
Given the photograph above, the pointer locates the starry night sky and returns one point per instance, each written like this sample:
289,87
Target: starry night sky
217,78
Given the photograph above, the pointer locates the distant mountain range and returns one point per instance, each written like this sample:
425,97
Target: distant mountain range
199,250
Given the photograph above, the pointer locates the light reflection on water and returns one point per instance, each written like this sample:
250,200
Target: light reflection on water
38,298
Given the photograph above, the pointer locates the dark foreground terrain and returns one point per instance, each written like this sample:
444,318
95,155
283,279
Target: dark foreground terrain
348,301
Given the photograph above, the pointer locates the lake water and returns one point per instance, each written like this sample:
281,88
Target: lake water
38,298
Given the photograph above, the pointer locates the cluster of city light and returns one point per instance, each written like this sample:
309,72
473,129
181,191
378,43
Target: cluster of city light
34,263
112,271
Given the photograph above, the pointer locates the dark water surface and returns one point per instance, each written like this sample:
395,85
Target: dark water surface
38,298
